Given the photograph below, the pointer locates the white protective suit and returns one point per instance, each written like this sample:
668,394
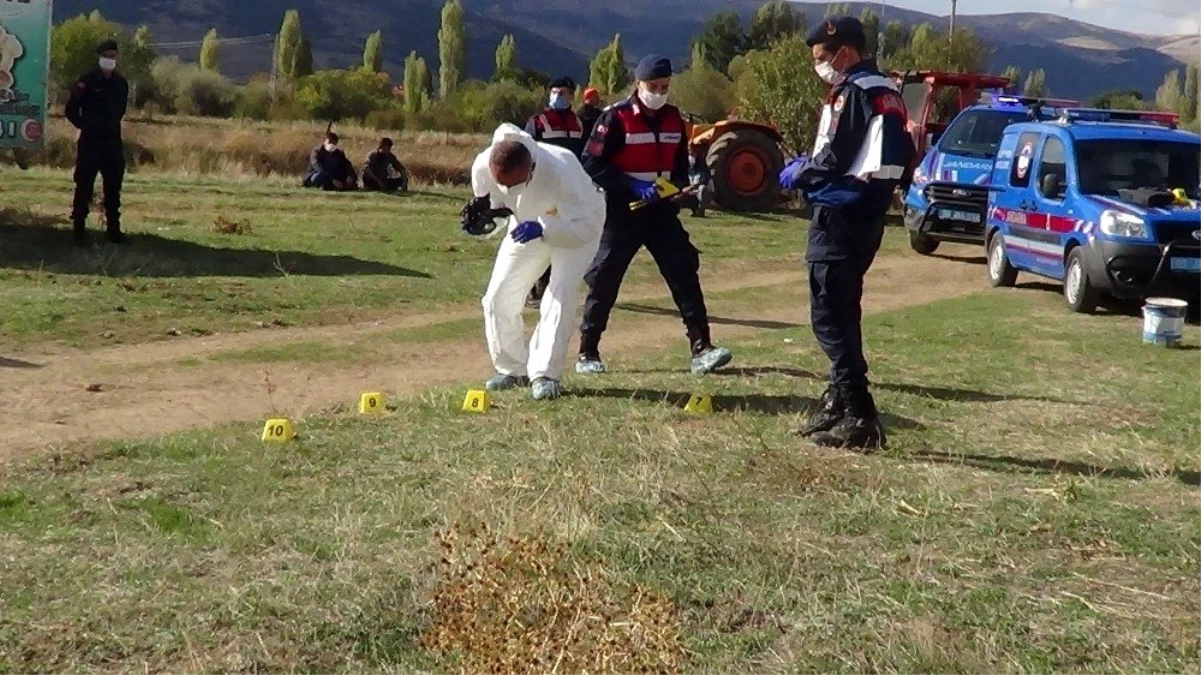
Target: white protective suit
571,209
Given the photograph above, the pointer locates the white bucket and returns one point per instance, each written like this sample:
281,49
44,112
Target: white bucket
1163,321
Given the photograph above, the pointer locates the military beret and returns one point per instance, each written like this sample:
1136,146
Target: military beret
564,82
836,32
106,46
652,67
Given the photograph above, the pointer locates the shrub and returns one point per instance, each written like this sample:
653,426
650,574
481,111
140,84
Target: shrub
393,118
205,93
703,91
774,89
337,95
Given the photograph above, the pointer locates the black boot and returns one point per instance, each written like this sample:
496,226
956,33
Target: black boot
81,234
859,428
830,411
115,235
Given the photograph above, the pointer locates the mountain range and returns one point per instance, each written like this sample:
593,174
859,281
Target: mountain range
561,36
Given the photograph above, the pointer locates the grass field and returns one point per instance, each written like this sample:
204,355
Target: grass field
310,257
1036,509
1025,518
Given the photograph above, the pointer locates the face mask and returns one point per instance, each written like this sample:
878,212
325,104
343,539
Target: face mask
108,64
559,102
331,147
652,100
826,72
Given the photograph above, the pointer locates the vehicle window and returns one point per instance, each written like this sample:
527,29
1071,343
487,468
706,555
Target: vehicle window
1023,159
1106,167
978,134
1053,162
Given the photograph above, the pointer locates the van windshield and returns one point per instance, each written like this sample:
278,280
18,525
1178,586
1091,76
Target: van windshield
977,133
1107,166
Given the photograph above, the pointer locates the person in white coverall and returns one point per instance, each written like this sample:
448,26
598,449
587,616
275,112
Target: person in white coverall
558,216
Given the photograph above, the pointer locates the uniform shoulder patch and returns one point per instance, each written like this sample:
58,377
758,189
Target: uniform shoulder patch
840,102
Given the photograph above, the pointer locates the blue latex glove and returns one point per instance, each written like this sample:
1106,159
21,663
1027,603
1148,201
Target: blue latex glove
526,232
645,190
790,176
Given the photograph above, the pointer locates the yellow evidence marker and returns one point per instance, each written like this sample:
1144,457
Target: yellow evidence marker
664,187
701,404
278,431
477,401
371,403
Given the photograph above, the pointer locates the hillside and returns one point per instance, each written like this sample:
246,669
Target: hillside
560,36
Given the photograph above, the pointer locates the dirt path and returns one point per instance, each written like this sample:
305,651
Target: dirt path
145,393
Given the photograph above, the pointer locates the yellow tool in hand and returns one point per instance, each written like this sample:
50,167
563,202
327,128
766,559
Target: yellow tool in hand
665,189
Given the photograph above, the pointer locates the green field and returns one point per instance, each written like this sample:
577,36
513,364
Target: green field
310,257
1036,509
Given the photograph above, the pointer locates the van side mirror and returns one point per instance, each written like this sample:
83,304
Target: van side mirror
1052,186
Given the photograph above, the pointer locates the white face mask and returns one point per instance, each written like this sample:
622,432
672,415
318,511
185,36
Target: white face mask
652,100
107,64
331,147
826,72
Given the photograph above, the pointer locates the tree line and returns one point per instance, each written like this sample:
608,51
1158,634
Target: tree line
760,68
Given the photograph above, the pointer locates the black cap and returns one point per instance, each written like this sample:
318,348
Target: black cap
836,32
386,141
652,67
106,46
565,82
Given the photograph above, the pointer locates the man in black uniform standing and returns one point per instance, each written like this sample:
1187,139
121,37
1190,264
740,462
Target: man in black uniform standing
635,142
556,125
860,155
96,106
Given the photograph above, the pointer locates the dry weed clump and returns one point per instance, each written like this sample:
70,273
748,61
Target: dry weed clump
516,605
223,225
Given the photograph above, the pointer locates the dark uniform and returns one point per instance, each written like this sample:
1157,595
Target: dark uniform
860,155
588,115
378,170
96,106
632,144
560,128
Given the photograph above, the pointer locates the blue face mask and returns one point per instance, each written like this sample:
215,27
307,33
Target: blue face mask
559,102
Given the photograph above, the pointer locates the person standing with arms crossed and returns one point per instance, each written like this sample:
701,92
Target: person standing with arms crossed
636,141
96,107
861,153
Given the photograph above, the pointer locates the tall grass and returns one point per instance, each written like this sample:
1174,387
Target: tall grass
196,145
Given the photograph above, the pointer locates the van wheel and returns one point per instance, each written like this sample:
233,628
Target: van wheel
1078,290
1001,274
921,243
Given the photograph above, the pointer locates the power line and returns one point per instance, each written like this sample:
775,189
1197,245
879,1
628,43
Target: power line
243,40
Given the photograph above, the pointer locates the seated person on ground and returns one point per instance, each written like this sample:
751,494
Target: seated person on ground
329,168
383,171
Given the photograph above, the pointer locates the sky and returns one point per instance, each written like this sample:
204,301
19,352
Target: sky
1162,17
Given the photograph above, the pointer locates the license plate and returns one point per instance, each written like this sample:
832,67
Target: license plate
962,216
1186,264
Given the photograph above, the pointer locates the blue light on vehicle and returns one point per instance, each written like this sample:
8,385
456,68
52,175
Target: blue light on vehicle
1169,120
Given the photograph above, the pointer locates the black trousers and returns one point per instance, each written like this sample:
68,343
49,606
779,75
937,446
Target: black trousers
105,157
845,249
388,184
660,231
539,288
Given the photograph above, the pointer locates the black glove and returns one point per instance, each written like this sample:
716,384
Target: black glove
479,218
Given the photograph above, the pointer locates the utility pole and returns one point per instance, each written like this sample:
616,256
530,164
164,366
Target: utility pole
880,35
952,35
